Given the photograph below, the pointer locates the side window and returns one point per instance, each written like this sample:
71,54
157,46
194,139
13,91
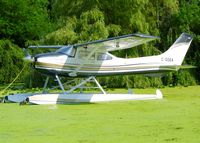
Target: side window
103,56
85,54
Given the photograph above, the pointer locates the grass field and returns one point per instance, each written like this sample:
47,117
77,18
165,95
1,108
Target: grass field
176,118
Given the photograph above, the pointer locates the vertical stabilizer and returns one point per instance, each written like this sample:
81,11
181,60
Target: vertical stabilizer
176,53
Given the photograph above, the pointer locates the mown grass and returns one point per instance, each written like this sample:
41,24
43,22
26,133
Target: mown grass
176,118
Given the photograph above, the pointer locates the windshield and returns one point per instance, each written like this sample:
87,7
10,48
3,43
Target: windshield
67,50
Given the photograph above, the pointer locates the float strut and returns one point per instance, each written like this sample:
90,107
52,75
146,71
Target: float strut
45,85
60,83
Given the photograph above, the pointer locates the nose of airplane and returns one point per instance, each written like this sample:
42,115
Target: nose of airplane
34,61
47,57
37,58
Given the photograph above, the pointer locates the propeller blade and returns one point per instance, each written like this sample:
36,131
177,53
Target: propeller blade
27,57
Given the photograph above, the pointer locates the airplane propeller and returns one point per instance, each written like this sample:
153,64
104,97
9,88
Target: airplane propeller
27,57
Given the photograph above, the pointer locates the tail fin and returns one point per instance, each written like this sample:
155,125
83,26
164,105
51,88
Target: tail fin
178,50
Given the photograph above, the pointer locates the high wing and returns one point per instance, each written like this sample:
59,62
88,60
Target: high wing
110,44
120,42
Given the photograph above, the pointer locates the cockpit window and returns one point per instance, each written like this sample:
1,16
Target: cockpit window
103,56
67,50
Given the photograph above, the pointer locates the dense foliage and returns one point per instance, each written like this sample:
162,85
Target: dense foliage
10,61
69,22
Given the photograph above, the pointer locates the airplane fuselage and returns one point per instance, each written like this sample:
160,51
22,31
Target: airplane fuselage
96,61
64,65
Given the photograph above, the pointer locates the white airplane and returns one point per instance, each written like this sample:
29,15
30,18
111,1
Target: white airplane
93,59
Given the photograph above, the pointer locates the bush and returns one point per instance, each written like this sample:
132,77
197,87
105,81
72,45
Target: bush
11,61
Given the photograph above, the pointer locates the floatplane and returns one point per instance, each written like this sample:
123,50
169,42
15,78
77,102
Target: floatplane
92,59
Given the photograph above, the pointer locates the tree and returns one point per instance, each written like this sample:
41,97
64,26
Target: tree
78,21
10,61
90,26
23,20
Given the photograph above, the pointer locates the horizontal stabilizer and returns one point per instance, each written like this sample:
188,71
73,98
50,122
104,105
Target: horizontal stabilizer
187,67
